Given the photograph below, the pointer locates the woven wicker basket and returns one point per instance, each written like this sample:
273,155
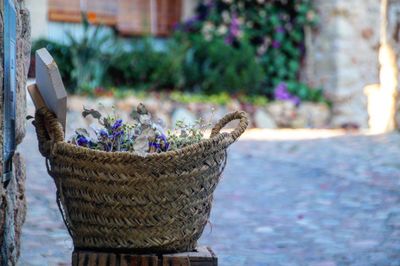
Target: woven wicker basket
159,202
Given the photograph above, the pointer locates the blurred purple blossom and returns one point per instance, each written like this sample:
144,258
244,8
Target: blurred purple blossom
234,30
188,25
276,44
117,124
103,133
281,93
280,30
82,141
164,139
117,134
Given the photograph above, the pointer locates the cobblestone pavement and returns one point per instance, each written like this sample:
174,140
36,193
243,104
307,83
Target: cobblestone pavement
313,198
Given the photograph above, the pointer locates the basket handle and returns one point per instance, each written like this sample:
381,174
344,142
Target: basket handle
235,134
48,130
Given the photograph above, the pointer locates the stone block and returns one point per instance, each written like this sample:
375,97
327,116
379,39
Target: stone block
12,199
342,56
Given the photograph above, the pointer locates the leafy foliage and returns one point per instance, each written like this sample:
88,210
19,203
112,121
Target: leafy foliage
275,28
236,47
141,65
214,66
91,55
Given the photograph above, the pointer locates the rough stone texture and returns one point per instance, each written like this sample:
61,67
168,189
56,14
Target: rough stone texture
342,56
12,200
394,39
272,115
393,28
23,60
263,120
307,115
13,217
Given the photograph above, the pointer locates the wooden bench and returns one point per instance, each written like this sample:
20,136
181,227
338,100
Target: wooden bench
203,256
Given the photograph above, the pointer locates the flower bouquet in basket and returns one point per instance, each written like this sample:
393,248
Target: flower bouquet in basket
142,136
135,186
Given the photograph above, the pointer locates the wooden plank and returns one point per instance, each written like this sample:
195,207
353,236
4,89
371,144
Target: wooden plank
50,85
82,259
36,96
74,258
102,258
111,260
92,259
201,257
176,261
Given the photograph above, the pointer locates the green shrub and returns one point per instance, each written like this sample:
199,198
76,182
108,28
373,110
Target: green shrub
274,28
243,48
213,66
91,55
145,67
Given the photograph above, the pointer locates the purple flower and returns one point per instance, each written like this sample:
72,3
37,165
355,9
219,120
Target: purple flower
188,25
164,139
154,144
234,30
191,21
234,27
82,141
117,124
117,134
280,30
281,93
229,39
103,133
276,44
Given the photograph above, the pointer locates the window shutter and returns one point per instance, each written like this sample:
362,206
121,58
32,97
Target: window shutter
168,15
98,11
134,17
102,12
64,10
130,17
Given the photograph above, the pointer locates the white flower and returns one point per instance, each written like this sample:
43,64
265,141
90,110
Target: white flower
262,49
207,37
208,27
226,16
222,29
141,143
145,119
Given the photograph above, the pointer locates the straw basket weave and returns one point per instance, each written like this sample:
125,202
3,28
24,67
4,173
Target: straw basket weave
158,202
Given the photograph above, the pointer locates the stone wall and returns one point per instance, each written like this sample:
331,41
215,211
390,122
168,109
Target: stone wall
393,32
342,56
12,199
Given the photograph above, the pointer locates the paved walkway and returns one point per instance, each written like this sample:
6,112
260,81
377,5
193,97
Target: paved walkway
286,198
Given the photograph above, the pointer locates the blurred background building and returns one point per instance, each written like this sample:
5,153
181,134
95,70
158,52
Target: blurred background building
341,51
129,17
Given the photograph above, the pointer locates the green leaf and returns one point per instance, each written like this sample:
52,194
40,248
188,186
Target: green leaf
94,113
